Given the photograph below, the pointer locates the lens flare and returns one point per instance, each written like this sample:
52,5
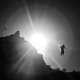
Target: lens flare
39,42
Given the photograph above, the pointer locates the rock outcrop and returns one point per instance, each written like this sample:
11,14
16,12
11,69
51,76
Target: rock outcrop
17,56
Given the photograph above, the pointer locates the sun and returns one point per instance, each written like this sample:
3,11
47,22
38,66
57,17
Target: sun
39,42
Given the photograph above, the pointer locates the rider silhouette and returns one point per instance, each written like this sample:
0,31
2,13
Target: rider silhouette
62,49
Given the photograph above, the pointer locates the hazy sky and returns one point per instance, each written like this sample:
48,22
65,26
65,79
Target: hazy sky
57,19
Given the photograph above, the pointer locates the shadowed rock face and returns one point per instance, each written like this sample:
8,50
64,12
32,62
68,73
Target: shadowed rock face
15,52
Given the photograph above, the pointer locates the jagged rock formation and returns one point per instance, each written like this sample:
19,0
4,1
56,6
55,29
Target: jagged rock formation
18,55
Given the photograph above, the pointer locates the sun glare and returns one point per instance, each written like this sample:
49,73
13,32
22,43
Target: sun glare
39,42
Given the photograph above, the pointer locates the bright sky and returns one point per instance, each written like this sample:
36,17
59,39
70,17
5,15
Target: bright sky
39,42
